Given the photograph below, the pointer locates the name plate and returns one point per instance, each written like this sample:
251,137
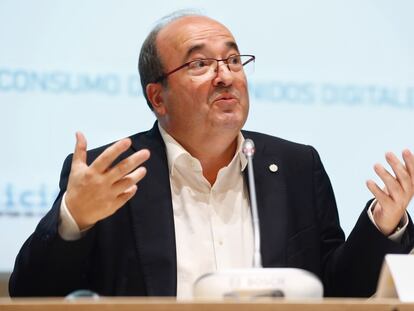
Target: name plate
289,283
397,277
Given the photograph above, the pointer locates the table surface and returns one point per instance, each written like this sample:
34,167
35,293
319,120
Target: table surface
170,304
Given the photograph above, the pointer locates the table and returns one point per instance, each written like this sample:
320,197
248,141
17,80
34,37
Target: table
170,304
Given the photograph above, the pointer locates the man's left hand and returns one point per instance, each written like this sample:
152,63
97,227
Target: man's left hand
393,200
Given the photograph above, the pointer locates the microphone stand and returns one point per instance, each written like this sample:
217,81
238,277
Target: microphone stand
249,150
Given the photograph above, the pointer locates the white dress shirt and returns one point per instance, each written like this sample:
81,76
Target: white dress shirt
213,224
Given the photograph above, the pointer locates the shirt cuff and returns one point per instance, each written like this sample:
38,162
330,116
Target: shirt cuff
398,233
68,228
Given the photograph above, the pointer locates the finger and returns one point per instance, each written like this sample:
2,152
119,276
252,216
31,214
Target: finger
409,163
392,185
380,195
79,155
129,180
104,161
127,165
400,171
125,196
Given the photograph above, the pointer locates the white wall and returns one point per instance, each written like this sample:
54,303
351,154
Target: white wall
334,74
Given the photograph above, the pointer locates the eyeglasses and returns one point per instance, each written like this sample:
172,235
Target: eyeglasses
204,66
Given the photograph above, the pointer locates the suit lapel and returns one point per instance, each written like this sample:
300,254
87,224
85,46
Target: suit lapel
153,220
271,202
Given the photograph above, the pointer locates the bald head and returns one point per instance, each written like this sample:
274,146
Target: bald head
185,37
166,38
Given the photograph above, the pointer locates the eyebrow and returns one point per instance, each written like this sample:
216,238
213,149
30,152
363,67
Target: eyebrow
198,47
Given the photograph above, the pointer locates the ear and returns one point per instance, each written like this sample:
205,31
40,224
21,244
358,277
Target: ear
155,96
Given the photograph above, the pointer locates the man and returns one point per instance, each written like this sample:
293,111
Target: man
117,233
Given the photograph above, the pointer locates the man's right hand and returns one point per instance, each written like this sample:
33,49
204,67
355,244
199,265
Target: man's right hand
97,191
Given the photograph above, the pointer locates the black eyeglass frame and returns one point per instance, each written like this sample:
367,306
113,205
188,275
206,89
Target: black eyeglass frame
225,60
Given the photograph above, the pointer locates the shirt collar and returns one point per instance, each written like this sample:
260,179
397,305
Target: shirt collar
175,151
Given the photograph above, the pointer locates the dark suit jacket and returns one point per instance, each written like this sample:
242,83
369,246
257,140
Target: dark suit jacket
133,252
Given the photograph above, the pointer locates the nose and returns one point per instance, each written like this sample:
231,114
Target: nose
224,76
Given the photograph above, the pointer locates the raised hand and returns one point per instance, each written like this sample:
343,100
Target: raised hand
393,200
97,191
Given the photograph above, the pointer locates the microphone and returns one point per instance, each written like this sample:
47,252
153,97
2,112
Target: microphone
257,282
248,150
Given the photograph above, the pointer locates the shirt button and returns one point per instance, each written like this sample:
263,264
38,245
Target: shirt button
194,166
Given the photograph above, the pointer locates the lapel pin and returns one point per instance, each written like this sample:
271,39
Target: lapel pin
273,168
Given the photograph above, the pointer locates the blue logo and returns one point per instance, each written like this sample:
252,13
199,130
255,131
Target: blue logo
36,201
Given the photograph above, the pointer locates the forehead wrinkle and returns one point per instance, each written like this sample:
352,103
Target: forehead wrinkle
201,46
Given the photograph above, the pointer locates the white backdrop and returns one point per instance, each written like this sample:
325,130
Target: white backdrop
334,74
